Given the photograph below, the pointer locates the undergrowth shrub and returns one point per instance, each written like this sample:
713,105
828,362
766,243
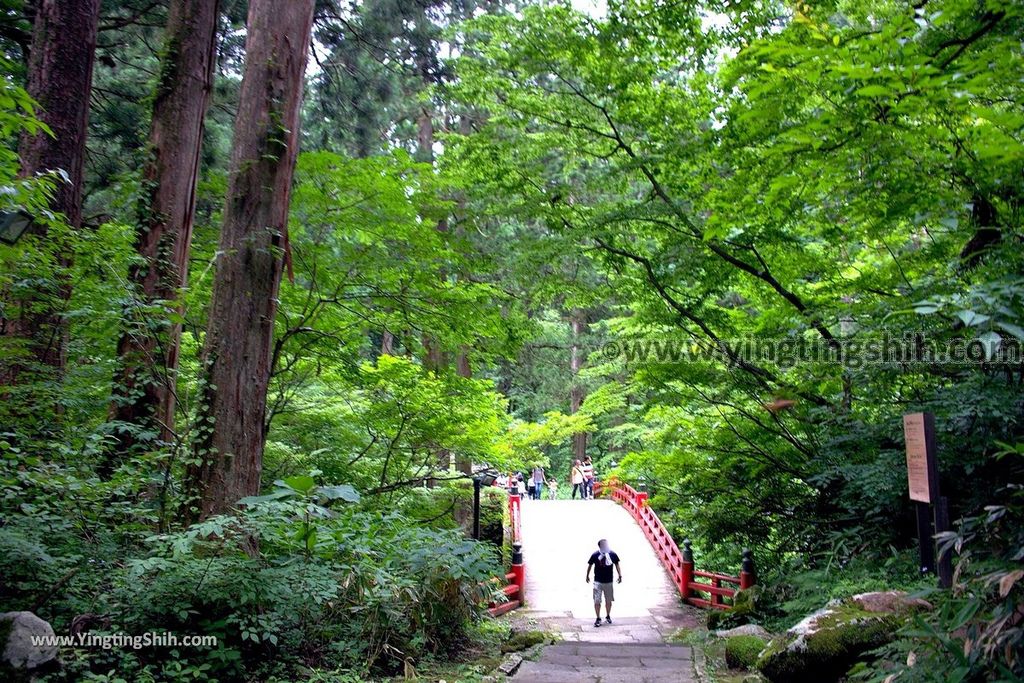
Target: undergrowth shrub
451,506
298,581
803,585
291,581
61,532
976,632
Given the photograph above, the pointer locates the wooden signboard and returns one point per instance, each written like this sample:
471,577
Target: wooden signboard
922,474
923,480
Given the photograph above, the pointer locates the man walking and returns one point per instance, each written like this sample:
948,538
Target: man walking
602,561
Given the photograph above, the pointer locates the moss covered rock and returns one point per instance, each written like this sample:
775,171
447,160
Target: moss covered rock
743,610
745,630
890,602
741,652
824,645
521,640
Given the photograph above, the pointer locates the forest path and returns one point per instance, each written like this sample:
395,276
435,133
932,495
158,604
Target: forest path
558,538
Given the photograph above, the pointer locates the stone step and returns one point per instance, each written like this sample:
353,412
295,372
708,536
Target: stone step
659,650
542,672
582,662
612,661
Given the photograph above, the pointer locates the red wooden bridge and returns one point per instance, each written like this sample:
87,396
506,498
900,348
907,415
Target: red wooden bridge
706,589
678,563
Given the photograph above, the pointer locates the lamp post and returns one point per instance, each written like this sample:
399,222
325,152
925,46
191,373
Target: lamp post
480,479
13,224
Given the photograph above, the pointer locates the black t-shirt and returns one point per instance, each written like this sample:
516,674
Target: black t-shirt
602,571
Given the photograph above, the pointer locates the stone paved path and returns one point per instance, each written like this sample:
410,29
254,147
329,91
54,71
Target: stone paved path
558,538
570,662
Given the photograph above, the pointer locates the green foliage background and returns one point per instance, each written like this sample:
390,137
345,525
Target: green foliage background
834,176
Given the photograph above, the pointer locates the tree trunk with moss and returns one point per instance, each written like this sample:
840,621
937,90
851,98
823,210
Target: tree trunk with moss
60,80
144,390
252,253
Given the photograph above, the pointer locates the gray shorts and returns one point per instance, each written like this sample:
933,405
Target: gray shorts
606,589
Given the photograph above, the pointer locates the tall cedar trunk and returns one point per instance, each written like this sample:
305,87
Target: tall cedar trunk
253,246
60,80
425,59
462,364
145,387
434,358
463,367
577,394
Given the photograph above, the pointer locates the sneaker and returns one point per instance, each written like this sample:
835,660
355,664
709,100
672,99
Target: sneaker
607,620
597,622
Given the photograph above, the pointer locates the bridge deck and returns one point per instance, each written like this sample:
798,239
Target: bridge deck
558,538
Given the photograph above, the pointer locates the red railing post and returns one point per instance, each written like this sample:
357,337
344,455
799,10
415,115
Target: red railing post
641,499
687,570
747,575
519,569
512,584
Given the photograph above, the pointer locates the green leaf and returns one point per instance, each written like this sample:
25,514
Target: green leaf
874,90
275,495
1016,331
972,318
343,491
966,613
303,483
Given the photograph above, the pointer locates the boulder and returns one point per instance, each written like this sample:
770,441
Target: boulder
890,602
520,640
745,630
825,644
21,656
741,652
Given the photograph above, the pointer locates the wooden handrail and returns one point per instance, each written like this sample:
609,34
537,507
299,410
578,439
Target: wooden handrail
719,577
679,562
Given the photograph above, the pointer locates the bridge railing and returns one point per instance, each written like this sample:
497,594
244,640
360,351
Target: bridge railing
512,584
689,581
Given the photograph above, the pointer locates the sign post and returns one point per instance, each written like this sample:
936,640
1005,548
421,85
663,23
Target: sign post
945,558
923,482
